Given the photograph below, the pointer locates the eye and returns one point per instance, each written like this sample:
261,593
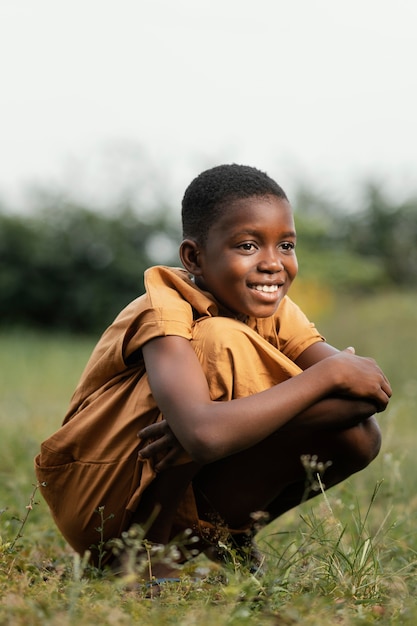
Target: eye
247,246
287,246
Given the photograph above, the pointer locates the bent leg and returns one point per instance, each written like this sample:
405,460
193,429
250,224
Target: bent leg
353,450
271,476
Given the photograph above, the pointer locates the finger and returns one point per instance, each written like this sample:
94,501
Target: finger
383,401
387,389
387,386
350,349
154,448
147,432
168,461
152,431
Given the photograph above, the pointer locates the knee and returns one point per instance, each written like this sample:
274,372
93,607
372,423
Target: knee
360,445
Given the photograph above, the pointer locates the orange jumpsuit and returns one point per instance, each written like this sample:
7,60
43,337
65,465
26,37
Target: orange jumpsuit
92,460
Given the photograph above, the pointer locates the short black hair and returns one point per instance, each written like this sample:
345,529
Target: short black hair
210,192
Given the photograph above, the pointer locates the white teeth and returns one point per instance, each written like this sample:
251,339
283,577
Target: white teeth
266,288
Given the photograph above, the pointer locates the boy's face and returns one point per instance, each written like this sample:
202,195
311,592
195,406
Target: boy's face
248,261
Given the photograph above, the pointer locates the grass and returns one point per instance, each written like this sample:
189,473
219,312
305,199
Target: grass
349,557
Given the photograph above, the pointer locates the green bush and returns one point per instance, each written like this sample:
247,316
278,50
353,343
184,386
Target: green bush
72,268
68,267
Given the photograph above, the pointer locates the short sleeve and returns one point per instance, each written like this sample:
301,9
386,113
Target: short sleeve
295,332
158,322
168,308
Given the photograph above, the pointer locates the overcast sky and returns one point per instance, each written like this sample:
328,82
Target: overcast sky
323,91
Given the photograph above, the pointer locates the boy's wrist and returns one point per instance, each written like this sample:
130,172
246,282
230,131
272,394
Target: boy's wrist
327,374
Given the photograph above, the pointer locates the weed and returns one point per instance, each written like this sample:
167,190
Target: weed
29,508
100,548
8,549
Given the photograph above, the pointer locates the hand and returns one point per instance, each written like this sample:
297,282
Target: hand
163,449
361,377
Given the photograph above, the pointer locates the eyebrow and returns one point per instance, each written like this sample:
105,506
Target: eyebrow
252,231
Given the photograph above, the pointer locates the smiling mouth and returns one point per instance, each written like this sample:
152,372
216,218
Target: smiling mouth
266,288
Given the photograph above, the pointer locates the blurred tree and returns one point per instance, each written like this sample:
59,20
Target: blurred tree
325,251
387,233
72,268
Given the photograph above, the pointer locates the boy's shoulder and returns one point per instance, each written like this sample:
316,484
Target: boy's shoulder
164,277
169,285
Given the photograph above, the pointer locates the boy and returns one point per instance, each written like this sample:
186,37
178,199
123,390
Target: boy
225,380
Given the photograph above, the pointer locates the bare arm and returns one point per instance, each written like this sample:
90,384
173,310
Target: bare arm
315,353
212,430
165,450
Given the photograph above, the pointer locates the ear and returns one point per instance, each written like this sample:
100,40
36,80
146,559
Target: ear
190,256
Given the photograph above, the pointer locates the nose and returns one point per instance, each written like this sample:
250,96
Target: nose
271,262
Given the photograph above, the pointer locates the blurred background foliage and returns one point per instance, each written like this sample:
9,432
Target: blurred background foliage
68,266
